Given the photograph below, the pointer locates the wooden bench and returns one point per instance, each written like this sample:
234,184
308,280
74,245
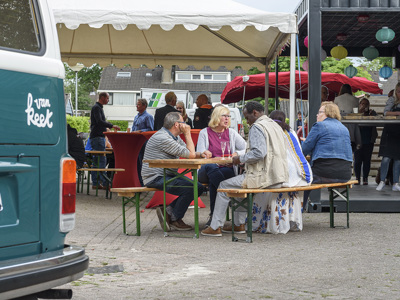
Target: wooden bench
248,194
81,171
132,194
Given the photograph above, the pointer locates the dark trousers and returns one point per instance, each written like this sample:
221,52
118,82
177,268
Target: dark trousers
213,174
179,187
362,157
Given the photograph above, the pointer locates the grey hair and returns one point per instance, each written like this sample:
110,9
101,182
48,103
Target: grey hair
171,118
143,101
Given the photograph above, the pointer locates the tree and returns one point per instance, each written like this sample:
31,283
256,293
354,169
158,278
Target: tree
88,81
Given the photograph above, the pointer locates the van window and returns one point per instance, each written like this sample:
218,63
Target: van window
18,26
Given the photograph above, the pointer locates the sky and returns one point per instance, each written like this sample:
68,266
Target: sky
287,6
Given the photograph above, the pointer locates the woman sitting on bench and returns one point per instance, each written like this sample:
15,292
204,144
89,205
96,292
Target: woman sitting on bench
329,145
281,212
211,139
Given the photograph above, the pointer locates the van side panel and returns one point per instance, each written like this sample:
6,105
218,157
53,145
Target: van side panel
33,154
30,108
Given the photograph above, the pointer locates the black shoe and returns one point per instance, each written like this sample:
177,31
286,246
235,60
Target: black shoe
160,215
365,182
359,180
208,221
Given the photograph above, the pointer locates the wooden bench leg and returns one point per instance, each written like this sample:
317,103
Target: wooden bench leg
246,203
136,201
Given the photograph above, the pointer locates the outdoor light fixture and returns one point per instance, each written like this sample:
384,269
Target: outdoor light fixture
305,65
363,18
385,35
306,41
339,52
385,72
350,71
370,53
341,36
76,69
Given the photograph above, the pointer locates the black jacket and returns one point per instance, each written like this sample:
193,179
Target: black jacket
201,117
98,123
75,147
160,116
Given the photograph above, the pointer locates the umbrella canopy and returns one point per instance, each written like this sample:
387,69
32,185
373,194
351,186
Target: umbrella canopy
233,91
180,32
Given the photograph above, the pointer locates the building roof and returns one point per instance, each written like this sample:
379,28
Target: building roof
138,79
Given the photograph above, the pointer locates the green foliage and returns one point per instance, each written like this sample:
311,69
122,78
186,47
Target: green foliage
122,124
88,81
81,124
254,70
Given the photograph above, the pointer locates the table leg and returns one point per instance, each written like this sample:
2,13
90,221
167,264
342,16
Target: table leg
165,203
331,208
196,205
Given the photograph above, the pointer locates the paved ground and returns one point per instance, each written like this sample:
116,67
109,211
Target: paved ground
362,262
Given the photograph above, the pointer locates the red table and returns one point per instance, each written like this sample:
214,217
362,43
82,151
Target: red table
126,151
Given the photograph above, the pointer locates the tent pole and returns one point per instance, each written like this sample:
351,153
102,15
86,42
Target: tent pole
292,98
277,83
266,88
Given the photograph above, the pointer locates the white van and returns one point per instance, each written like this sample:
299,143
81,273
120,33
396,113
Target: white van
37,176
236,119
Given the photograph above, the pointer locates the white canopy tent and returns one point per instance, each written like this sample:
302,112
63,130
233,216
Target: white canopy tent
178,32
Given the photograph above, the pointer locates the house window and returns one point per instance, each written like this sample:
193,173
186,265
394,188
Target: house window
124,75
123,99
196,76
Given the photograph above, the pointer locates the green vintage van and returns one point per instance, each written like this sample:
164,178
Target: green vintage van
37,177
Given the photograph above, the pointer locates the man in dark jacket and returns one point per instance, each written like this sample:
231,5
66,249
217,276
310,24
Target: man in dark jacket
202,114
98,125
170,100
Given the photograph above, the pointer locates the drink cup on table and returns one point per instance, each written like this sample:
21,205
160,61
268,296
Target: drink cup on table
355,110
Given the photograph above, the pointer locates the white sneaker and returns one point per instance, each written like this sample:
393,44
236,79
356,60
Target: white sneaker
380,186
396,187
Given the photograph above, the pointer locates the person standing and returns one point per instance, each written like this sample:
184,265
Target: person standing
362,156
203,112
346,101
390,142
98,125
170,100
180,106
143,122
167,144
265,167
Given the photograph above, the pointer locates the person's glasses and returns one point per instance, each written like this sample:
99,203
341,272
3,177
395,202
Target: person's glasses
181,122
321,112
226,116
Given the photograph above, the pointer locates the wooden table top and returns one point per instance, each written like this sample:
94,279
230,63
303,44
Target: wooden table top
98,152
190,163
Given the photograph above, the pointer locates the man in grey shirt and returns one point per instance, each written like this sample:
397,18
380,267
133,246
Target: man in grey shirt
264,168
166,144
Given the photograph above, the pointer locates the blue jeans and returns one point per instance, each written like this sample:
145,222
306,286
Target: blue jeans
385,167
180,204
213,175
98,143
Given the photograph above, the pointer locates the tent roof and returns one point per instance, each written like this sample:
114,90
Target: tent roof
178,32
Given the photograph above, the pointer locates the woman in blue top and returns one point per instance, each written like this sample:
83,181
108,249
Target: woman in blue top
329,145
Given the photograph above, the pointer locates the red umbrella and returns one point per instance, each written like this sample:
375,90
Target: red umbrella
255,86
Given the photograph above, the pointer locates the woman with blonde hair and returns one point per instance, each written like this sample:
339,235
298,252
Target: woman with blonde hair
210,139
328,143
180,106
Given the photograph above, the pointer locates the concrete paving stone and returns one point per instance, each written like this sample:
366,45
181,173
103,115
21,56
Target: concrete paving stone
362,262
